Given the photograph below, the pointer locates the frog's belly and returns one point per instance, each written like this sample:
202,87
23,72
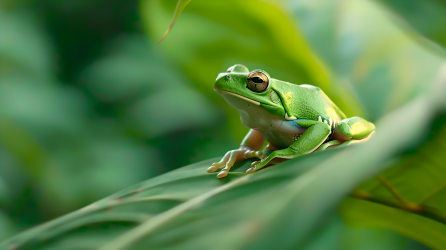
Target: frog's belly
277,131
278,140
284,136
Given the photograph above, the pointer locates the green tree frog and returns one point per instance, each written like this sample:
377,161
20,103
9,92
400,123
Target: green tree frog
294,119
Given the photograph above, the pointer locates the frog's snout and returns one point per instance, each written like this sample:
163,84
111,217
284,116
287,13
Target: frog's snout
222,81
220,76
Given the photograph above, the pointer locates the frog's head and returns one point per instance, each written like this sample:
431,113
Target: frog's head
255,87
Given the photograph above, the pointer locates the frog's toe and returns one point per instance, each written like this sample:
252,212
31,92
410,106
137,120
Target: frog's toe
253,167
250,154
254,164
251,170
213,168
222,174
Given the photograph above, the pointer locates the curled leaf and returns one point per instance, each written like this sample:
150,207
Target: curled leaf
176,14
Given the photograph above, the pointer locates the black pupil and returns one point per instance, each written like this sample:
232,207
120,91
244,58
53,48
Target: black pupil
257,79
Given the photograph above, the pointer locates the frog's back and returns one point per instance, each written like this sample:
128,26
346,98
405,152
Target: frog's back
308,102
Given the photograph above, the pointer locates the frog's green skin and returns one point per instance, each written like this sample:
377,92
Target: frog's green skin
294,119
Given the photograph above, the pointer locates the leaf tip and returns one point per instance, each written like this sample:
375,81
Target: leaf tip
175,16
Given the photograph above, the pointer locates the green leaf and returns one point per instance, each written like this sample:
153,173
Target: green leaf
411,191
430,232
139,202
336,235
279,206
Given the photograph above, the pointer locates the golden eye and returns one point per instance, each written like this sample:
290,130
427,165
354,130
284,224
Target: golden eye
257,81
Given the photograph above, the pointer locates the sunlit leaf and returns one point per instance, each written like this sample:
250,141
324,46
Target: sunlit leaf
411,193
189,208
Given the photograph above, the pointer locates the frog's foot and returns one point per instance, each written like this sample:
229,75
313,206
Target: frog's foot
252,153
216,165
229,159
264,162
251,170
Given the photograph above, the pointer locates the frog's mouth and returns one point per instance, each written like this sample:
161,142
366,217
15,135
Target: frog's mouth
220,91
239,96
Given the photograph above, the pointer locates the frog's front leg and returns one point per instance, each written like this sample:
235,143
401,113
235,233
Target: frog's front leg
253,141
309,141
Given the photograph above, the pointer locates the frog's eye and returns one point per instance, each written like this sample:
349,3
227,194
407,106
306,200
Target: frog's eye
257,81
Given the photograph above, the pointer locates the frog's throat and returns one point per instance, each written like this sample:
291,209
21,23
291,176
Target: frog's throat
242,97
288,118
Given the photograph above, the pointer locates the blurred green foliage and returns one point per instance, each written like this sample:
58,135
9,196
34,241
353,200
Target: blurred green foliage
90,105
426,17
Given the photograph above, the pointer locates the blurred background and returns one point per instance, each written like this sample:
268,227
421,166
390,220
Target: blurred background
91,104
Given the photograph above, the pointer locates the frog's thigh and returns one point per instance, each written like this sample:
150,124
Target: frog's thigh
355,128
309,141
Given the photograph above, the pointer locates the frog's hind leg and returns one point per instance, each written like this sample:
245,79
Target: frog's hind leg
308,142
355,128
336,143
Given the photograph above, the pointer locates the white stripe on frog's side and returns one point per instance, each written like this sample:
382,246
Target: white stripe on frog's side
292,118
242,97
